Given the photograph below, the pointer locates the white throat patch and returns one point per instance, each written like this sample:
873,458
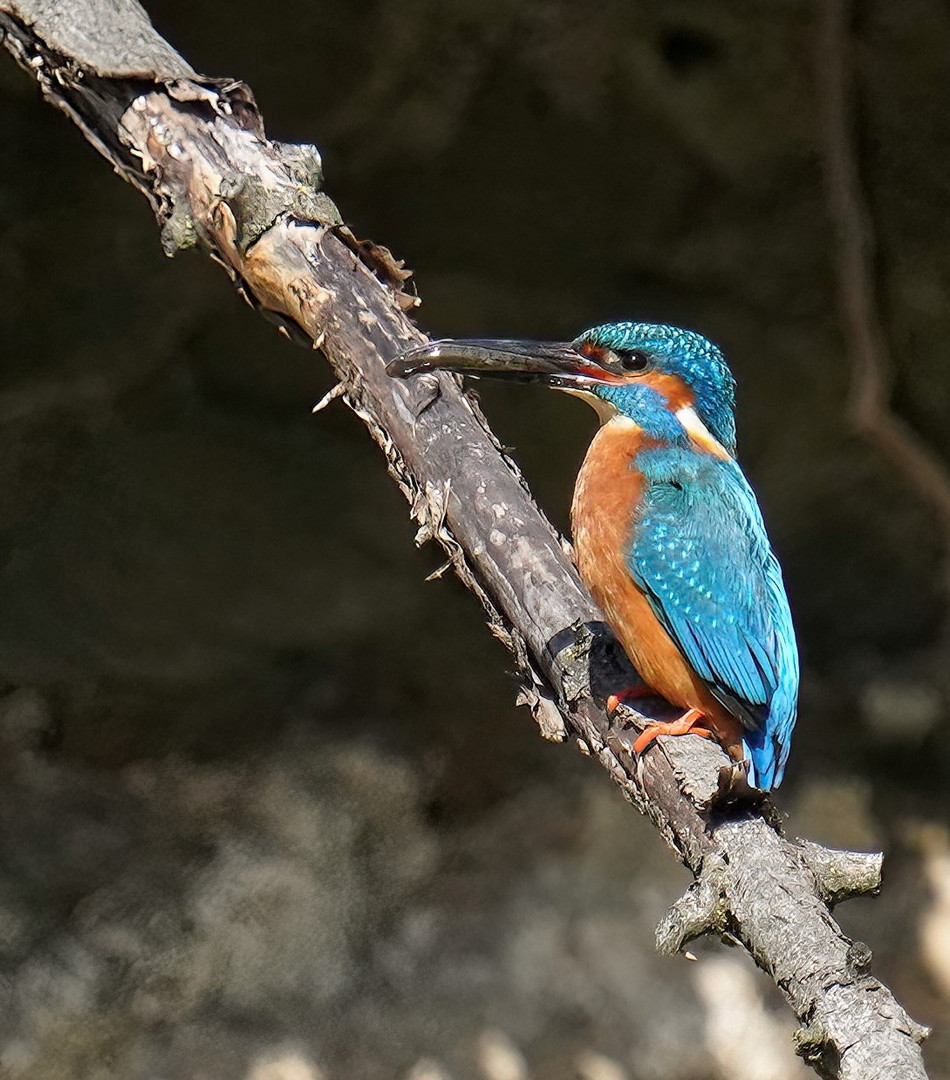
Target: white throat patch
700,434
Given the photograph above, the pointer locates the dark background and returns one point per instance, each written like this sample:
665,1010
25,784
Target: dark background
268,811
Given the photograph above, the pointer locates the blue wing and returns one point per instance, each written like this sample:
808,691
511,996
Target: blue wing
701,554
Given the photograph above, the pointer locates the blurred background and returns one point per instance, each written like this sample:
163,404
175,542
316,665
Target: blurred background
268,810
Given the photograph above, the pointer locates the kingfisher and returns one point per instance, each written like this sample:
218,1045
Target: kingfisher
668,534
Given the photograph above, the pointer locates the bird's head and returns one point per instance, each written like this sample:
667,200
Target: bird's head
662,378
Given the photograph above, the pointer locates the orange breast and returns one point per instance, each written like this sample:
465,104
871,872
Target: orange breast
606,496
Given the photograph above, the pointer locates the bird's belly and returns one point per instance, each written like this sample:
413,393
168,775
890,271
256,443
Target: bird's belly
603,517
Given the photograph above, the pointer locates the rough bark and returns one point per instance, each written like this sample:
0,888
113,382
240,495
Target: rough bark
196,148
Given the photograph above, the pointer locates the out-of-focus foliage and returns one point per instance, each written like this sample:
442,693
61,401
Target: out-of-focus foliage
267,809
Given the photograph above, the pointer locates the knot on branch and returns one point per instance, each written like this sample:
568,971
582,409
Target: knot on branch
701,910
839,875
859,957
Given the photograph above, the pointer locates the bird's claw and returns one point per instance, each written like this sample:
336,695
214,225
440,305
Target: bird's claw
685,725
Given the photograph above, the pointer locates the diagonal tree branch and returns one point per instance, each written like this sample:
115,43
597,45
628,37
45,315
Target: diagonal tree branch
196,148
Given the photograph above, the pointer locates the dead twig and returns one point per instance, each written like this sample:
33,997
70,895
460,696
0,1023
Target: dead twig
869,408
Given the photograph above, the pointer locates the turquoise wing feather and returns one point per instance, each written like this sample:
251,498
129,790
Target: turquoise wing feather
701,554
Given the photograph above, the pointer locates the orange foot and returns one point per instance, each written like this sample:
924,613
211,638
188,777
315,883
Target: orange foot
630,693
685,725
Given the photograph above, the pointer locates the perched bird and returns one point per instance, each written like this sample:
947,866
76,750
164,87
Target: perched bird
668,535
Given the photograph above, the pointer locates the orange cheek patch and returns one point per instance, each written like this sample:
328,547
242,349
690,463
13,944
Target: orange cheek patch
673,388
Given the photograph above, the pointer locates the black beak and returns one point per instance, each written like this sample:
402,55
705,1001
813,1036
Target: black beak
551,363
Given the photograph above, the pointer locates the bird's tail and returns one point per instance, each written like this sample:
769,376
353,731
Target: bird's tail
766,766
766,750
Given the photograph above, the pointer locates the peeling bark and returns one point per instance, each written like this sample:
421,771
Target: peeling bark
196,148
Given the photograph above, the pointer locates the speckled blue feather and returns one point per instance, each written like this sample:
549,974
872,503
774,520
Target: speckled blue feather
701,554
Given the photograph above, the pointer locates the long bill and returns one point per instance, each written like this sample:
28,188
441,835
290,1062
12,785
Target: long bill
552,363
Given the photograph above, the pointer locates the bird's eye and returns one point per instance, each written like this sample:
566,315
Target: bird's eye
632,359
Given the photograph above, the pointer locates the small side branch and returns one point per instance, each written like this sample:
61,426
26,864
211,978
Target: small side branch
702,909
839,875
196,149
